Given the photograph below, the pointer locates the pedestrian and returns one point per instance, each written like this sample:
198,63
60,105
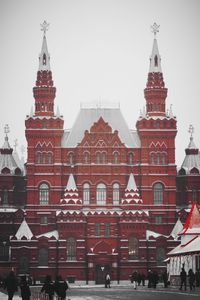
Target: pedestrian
11,285
107,280
191,278
155,279
48,287
150,279
183,277
197,277
165,278
143,279
134,279
60,287
25,289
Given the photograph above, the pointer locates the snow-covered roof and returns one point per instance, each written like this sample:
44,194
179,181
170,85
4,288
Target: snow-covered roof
8,159
153,234
177,229
192,158
88,116
71,185
192,246
49,234
24,231
131,186
192,224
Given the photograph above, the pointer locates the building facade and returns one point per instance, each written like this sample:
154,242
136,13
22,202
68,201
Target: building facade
100,197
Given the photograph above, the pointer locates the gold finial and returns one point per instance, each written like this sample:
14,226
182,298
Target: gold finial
191,130
44,27
6,129
155,28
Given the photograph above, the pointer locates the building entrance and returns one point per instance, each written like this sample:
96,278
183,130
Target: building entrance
101,271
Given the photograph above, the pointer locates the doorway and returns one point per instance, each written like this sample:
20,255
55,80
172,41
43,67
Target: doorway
101,271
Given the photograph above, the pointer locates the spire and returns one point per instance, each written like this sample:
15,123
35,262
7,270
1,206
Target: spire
71,195
44,92
155,92
131,195
44,57
131,186
191,143
6,146
71,185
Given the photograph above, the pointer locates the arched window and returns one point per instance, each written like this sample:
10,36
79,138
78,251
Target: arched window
160,256
86,157
5,197
86,193
101,194
71,159
116,194
43,157
98,158
158,193
44,194
130,158
43,257
133,248
116,158
71,248
103,158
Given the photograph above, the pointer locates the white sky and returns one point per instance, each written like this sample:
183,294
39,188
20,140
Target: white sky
100,50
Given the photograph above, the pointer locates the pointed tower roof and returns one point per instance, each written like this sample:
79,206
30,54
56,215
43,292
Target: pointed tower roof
71,195
192,158
131,192
155,59
24,231
71,185
44,57
192,224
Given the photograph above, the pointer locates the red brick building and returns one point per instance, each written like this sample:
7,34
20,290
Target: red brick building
101,197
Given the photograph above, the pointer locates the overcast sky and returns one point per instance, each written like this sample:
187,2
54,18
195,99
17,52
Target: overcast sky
100,51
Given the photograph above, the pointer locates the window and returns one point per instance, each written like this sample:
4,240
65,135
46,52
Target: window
43,257
4,251
86,157
160,256
98,158
107,229
86,193
23,265
116,194
116,158
158,219
130,158
49,158
44,194
103,158
5,197
44,220
194,195
158,193
38,158
71,248
133,248
71,159
97,229
101,194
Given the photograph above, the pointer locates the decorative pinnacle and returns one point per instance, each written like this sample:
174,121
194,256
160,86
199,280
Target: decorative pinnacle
191,130
155,29
44,27
6,129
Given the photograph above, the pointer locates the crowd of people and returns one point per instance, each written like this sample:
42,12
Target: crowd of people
60,286
49,288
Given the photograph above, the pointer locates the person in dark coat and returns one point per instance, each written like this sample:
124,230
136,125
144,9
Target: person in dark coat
165,278
191,277
134,279
183,277
25,289
60,287
197,277
11,285
48,287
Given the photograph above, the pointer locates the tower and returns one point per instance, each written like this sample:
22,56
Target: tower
157,131
44,130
